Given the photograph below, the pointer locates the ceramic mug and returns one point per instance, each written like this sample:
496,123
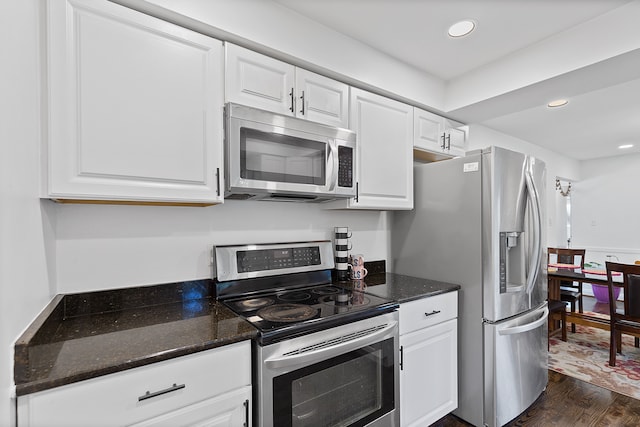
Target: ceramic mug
358,273
341,254
342,266
342,245
341,232
357,260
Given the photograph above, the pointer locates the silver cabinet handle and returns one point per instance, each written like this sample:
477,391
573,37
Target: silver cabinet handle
443,143
302,99
246,413
432,313
293,101
149,395
449,142
217,181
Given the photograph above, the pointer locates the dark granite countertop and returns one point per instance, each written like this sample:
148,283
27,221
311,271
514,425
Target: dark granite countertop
83,336
402,288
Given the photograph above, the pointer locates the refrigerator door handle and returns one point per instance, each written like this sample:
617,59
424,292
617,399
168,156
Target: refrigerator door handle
534,264
528,327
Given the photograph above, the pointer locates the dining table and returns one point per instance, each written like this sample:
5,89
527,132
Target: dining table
557,273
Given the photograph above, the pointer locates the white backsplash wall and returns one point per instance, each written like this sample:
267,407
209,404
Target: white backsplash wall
106,247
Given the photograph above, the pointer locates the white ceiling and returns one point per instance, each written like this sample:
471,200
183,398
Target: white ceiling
585,50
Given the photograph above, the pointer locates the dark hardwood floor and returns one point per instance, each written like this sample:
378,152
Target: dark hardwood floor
571,402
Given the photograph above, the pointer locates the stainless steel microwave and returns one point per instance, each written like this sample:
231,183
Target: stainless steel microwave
269,156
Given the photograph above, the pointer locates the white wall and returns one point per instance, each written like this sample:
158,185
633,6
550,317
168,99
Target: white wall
606,209
102,247
25,225
557,165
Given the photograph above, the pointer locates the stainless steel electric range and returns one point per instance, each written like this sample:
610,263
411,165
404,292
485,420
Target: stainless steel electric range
325,354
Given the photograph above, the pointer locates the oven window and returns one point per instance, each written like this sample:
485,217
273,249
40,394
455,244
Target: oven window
281,158
349,390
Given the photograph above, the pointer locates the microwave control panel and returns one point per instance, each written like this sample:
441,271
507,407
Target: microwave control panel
345,166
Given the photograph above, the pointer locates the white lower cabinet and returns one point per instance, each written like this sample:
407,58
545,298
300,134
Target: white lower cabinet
229,410
429,360
209,388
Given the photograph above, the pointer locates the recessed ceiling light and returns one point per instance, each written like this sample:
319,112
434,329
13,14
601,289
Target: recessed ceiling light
557,103
622,147
462,28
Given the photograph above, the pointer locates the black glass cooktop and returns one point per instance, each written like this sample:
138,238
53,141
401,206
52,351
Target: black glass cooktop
284,314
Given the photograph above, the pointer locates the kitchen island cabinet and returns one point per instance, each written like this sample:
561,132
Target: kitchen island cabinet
263,82
209,388
135,108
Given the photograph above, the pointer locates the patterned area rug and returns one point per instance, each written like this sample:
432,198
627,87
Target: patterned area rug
585,356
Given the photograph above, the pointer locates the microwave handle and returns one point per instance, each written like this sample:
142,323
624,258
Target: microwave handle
332,163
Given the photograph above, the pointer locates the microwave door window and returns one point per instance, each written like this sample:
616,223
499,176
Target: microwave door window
275,157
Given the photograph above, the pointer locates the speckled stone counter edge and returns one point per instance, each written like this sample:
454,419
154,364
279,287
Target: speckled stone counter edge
75,305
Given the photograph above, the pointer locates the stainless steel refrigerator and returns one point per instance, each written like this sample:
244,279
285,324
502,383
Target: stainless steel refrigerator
479,221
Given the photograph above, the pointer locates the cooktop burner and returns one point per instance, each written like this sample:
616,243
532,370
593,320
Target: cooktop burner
253,303
287,312
294,296
326,290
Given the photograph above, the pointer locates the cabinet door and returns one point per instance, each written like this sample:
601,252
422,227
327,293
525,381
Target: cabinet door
322,99
135,106
232,409
437,134
457,135
259,81
384,130
428,131
428,378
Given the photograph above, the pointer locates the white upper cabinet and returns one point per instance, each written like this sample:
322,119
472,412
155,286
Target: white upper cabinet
135,107
384,166
438,134
263,82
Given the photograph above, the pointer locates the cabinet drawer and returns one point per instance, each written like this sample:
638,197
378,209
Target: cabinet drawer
429,311
115,399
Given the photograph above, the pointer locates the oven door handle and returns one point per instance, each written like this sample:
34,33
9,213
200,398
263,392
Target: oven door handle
333,350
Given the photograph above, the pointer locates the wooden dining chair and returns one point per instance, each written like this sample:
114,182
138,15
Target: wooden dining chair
557,312
570,292
627,319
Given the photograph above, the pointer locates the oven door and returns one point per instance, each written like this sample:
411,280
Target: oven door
344,376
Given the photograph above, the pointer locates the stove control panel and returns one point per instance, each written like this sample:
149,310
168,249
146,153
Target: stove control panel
247,261
277,259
